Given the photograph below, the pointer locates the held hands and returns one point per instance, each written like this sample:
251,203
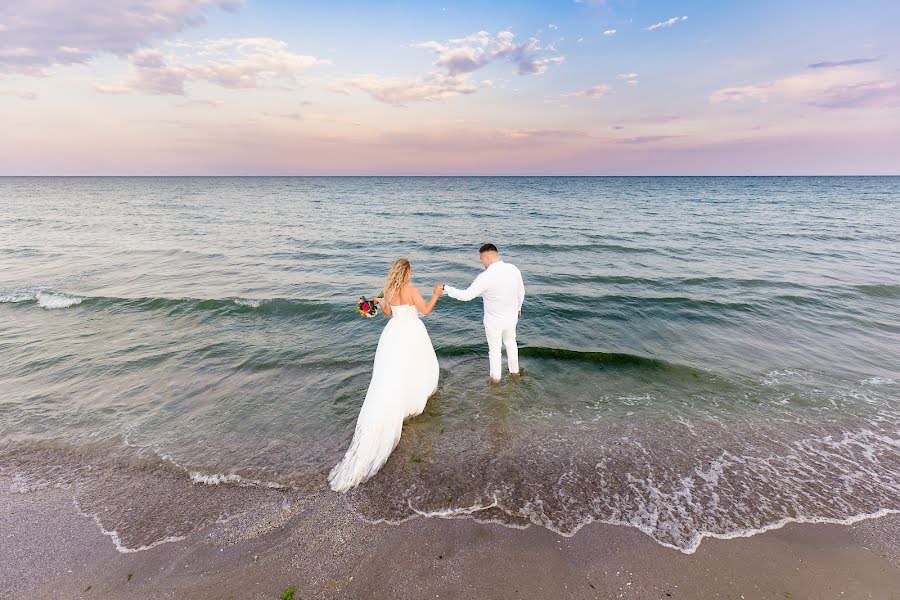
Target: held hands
439,290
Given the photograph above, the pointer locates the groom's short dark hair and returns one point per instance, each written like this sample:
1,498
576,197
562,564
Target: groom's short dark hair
487,248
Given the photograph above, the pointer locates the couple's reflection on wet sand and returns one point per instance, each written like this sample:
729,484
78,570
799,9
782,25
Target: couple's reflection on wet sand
499,401
494,403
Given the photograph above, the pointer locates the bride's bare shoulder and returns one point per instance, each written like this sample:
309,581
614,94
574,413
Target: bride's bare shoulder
408,291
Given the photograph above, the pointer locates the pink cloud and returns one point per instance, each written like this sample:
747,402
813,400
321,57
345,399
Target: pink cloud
21,94
38,34
595,91
456,59
845,86
229,63
464,55
400,91
648,139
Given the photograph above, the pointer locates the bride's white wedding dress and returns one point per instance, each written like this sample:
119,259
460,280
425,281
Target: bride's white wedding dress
404,375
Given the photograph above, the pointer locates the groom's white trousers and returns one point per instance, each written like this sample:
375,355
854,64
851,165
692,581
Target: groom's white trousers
507,336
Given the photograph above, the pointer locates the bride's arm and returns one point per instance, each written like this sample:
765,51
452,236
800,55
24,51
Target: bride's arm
419,301
384,304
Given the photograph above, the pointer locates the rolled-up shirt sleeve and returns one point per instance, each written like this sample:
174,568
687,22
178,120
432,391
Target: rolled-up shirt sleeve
473,291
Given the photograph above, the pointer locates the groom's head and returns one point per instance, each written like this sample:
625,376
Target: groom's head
488,254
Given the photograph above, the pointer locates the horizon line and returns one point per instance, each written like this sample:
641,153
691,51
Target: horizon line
435,175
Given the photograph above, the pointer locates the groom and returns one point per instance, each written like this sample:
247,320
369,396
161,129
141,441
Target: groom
501,285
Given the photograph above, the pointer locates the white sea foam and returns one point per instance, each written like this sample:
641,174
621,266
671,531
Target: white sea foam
52,301
713,499
778,525
879,381
247,302
220,478
449,513
535,516
198,476
780,376
13,298
117,540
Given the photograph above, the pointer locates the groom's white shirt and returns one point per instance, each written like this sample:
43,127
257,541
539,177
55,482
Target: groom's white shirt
503,291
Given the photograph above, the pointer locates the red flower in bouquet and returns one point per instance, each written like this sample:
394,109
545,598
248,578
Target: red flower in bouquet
366,307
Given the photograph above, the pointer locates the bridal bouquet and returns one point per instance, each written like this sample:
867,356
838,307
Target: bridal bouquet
366,307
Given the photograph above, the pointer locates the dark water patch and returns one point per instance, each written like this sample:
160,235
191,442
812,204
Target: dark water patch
611,360
646,303
796,300
607,358
880,291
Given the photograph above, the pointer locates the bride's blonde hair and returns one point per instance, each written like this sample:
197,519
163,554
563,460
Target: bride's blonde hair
398,275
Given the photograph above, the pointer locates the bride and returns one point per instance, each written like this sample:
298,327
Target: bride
405,374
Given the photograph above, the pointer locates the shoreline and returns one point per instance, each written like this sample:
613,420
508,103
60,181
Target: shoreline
471,513
322,550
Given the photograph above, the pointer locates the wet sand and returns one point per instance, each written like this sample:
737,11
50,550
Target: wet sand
50,549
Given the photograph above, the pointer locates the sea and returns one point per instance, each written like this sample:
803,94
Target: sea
702,356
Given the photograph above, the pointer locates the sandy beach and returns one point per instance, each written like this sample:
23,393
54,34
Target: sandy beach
52,550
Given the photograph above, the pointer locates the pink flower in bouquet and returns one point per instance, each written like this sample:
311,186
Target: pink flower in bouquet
366,307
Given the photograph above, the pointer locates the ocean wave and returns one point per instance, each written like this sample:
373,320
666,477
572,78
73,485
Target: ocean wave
52,301
610,358
15,298
56,300
671,304
247,302
799,300
43,299
600,359
556,303
701,307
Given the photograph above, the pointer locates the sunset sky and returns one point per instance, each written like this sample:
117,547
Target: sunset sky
220,87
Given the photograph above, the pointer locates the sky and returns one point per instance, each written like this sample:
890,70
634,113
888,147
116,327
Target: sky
576,87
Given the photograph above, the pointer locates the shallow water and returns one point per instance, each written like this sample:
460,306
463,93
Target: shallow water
703,356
